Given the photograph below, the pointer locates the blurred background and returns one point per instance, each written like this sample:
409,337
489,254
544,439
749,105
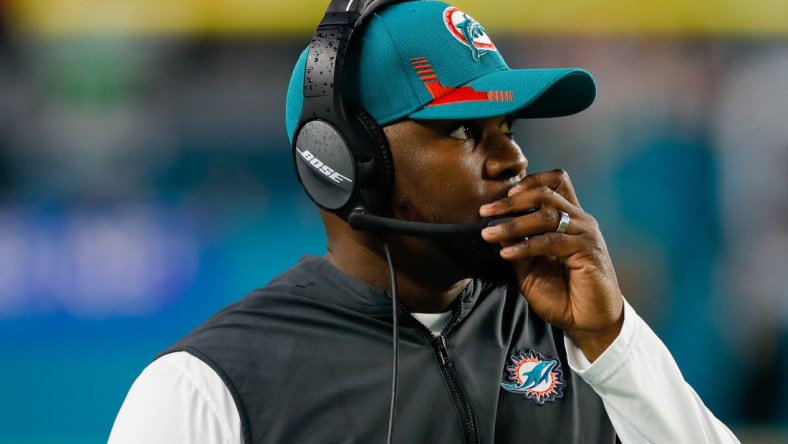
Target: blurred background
146,182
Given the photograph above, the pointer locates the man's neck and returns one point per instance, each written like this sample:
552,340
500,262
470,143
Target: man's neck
433,293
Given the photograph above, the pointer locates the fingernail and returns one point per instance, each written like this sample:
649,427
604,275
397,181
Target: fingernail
487,208
515,189
491,231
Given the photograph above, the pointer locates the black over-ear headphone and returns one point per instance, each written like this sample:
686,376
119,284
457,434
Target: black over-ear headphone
340,153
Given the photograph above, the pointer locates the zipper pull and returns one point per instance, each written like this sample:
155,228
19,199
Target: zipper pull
443,351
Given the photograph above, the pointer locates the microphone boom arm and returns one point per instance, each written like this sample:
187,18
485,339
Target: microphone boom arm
362,221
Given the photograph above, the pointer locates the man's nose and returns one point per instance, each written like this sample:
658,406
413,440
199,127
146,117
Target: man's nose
505,161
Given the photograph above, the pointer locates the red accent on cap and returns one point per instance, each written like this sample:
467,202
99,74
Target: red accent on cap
444,95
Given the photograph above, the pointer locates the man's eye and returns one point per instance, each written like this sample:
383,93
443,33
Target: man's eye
462,132
506,128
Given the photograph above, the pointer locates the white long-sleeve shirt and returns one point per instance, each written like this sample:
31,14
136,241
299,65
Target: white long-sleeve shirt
180,399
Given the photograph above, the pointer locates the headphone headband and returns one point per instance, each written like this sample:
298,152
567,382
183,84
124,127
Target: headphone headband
323,73
359,9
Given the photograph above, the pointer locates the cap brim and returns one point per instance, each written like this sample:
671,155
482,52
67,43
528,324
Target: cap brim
524,93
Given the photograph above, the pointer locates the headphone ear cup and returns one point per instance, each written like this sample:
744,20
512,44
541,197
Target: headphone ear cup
325,165
382,157
346,165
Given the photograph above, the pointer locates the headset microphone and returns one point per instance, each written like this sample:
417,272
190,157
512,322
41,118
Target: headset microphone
359,220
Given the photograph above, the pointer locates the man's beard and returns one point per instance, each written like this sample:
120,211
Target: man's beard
477,257
480,258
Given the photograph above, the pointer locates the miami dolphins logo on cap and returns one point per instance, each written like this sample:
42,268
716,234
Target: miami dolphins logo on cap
534,377
468,31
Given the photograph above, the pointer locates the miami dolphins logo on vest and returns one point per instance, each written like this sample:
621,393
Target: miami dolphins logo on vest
534,377
468,31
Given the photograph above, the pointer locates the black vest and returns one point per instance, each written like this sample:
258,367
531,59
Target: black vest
308,359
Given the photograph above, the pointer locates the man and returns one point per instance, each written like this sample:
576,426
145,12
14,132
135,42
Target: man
517,333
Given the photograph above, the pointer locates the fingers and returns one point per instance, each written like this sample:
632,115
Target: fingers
582,238
556,180
534,234
548,244
533,192
526,200
542,222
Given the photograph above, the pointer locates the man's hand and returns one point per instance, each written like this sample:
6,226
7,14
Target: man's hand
567,278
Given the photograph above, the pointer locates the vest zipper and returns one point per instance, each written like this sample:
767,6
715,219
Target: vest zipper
470,430
467,417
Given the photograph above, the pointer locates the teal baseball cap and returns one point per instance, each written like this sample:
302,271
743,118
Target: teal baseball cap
427,60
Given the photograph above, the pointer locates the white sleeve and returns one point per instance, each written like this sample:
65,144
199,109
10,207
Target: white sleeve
643,390
177,399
